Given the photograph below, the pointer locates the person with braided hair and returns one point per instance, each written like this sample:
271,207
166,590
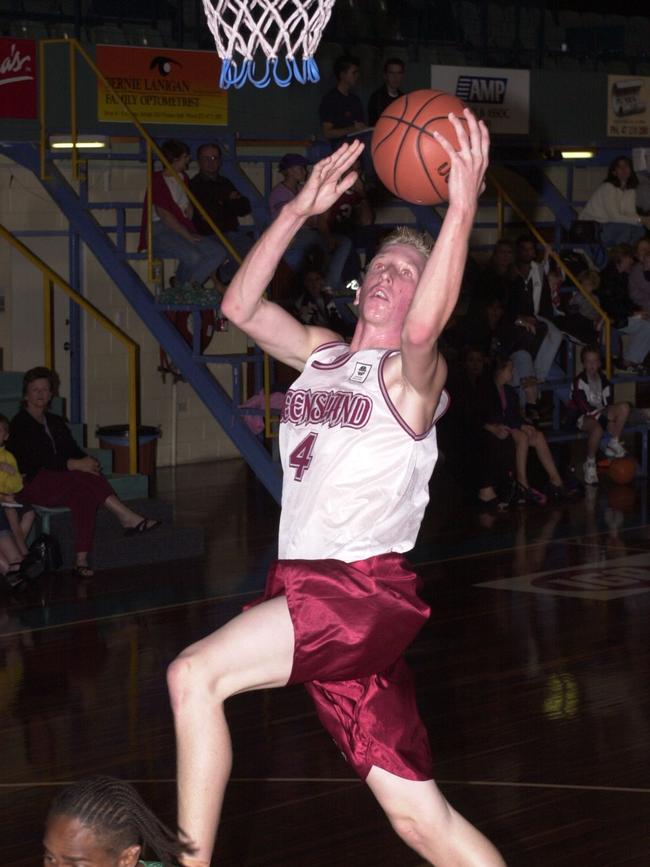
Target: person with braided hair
103,822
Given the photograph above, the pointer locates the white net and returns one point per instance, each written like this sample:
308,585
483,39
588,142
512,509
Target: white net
285,32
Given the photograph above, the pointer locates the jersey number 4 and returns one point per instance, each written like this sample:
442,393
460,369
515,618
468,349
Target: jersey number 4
300,457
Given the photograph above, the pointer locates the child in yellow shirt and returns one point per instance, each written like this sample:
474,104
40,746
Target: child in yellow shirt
20,518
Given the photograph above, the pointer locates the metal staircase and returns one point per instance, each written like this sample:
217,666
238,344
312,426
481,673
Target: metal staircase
193,367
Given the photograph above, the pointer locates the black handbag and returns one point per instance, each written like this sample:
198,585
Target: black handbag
45,549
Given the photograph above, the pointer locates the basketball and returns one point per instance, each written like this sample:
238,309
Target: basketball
622,470
407,157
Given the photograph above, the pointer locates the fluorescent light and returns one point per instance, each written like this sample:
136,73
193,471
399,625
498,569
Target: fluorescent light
577,155
84,142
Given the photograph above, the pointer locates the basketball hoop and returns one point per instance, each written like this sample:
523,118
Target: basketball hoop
278,29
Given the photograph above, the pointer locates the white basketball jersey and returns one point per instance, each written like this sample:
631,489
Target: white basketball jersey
355,475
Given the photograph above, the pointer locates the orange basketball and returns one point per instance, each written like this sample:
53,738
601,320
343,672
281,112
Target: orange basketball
407,157
622,470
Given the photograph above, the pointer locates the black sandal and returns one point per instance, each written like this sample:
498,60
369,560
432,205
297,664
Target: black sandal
146,525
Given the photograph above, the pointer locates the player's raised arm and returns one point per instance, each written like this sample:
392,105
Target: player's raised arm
439,286
275,330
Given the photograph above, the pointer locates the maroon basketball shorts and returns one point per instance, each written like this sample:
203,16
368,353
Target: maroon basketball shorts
352,623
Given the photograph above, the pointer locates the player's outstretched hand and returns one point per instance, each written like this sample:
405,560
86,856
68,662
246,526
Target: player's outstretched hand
328,181
469,163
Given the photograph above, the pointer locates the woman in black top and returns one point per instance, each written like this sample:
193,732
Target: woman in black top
58,473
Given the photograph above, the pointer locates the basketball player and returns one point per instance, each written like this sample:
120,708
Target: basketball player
359,445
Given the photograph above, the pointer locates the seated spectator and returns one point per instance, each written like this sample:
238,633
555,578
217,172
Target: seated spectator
590,405
316,306
223,203
174,233
341,111
496,278
624,313
639,280
388,92
489,328
104,821
502,419
58,473
580,320
531,310
20,517
613,206
293,168
481,462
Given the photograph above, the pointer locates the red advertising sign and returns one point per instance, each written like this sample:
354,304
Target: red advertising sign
17,78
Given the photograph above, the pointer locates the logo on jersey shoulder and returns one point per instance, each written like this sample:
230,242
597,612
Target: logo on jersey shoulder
361,371
332,408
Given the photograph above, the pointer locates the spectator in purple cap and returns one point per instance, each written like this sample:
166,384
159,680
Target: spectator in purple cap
315,234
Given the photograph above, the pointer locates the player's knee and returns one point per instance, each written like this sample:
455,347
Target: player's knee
186,680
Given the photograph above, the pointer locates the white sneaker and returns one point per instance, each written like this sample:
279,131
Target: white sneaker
615,449
590,472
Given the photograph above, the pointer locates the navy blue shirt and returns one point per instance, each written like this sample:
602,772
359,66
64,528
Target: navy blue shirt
341,110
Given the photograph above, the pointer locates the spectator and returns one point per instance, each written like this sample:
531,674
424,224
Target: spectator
502,419
613,206
480,460
58,473
389,91
223,203
626,317
639,281
496,278
341,111
583,320
531,307
104,821
580,321
316,306
20,518
293,168
590,405
174,233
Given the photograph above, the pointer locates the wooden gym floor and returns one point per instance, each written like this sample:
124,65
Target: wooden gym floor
532,678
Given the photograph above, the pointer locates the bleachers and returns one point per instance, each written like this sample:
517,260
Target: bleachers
475,31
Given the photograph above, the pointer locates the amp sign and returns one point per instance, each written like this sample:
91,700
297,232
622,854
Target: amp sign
501,97
481,88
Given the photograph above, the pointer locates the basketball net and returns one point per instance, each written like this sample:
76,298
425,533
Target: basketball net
278,29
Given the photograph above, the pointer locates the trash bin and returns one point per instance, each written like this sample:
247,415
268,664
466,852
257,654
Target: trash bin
116,438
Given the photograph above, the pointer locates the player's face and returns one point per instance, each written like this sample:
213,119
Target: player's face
210,161
390,283
69,843
393,76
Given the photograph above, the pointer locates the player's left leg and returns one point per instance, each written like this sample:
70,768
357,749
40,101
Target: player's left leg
428,824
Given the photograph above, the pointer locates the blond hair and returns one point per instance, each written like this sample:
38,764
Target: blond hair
592,276
404,235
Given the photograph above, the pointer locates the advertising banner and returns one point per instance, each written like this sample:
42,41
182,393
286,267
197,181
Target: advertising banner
501,97
628,105
17,78
161,85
